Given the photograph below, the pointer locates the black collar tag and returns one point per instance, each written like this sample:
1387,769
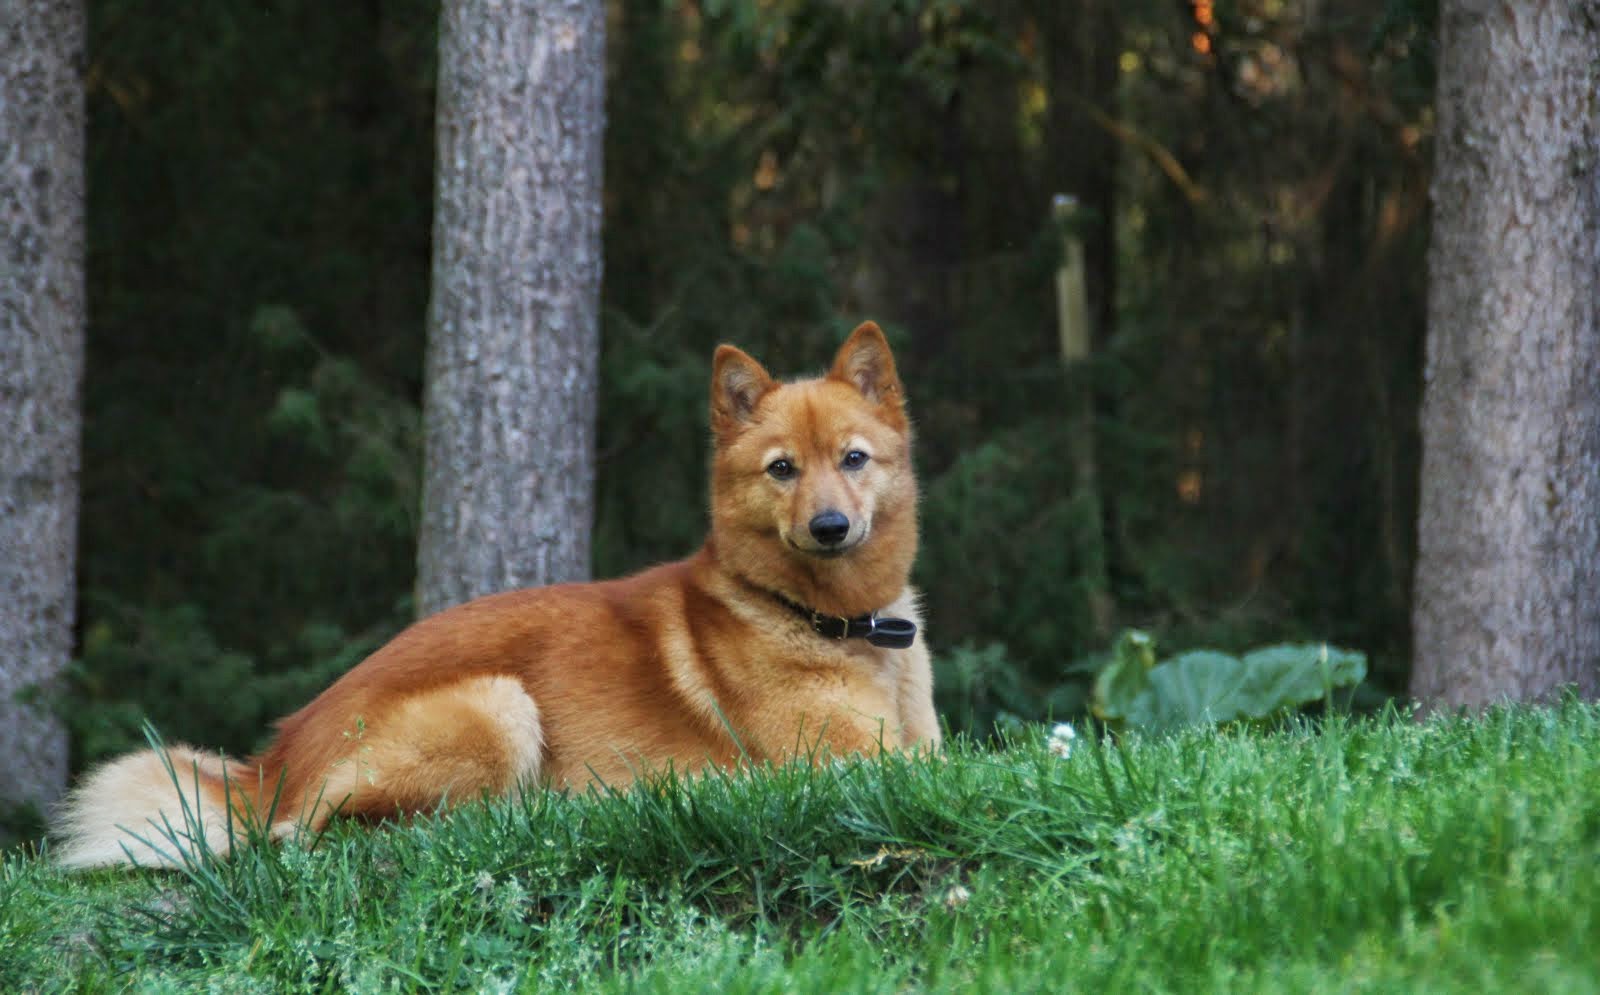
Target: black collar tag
890,633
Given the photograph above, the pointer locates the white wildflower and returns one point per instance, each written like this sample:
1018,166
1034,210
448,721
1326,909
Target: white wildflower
1061,738
484,883
956,897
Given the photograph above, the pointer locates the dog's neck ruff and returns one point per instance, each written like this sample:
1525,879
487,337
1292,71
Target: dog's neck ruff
883,631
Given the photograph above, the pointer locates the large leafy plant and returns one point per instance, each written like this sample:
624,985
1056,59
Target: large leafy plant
1204,686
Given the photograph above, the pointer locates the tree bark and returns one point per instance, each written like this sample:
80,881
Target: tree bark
513,328
1508,570
42,315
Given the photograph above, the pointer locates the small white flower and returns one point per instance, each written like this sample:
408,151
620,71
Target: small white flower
956,897
1061,738
484,883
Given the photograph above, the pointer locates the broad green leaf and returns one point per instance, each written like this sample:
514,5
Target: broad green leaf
1294,674
1200,686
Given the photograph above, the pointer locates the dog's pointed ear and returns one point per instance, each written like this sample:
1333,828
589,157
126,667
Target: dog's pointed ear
865,363
738,383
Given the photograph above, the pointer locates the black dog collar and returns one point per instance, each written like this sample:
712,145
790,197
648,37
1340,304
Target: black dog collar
889,633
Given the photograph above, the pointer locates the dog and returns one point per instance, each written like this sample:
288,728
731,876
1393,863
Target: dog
793,632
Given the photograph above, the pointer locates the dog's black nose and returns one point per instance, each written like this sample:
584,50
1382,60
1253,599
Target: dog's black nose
830,528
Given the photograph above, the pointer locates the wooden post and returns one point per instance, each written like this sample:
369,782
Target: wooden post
1072,292
1073,325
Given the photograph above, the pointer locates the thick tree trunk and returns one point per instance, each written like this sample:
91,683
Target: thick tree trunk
41,370
1508,570
513,329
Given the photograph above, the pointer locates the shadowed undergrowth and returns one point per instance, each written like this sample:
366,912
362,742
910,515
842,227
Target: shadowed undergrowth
1349,854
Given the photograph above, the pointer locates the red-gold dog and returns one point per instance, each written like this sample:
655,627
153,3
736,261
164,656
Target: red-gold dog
793,631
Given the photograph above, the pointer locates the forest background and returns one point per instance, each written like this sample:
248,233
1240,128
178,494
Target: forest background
1253,179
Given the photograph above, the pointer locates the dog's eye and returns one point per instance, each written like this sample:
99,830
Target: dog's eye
781,469
855,459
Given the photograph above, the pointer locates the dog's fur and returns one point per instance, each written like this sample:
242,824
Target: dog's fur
687,664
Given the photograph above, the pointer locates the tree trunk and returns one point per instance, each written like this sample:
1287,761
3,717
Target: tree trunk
41,372
513,328
1508,569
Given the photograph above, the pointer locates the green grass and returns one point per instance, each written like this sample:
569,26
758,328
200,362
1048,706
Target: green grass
1370,855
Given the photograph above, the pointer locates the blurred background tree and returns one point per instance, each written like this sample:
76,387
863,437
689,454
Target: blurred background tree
1253,178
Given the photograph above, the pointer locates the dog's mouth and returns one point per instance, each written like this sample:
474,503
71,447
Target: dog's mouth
830,552
822,552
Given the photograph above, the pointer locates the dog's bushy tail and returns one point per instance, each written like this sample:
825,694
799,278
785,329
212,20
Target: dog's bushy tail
160,807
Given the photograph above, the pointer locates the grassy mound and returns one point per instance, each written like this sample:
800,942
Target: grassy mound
1348,855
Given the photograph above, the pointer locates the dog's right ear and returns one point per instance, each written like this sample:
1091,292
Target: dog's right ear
738,383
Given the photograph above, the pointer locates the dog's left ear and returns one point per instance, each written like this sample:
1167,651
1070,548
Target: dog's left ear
864,362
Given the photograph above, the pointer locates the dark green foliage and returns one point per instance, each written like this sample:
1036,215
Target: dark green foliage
259,223
982,689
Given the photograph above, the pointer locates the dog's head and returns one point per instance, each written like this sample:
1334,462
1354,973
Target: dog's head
812,486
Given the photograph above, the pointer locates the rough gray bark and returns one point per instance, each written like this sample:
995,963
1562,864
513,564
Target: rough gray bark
41,370
513,329
1508,570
